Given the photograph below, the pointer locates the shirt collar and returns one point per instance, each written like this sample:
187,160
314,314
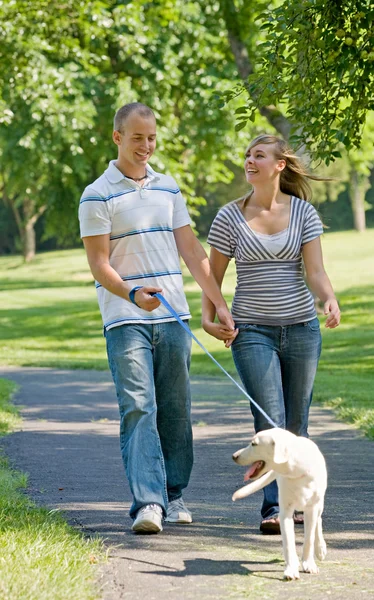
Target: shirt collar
114,175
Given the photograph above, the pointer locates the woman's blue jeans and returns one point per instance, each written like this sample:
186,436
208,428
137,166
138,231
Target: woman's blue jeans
150,369
277,366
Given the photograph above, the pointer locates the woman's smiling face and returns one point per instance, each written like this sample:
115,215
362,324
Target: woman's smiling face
261,164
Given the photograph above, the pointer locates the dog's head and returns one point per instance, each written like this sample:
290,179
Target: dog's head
267,450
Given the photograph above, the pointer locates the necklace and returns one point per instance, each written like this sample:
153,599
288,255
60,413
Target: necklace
137,178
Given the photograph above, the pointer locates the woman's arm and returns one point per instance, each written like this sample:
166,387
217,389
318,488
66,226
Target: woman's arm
219,263
319,282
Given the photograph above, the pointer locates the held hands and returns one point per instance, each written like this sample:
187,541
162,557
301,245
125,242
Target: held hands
221,332
331,308
145,300
225,317
226,327
225,330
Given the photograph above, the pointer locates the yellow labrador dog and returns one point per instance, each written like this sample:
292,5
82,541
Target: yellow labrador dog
300,470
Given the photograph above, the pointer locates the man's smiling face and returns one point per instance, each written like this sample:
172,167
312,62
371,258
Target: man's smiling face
136,141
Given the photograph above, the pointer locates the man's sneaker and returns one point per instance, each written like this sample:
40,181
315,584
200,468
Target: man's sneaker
148,519
178,512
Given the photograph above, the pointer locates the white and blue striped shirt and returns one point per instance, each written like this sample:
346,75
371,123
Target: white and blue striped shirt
270,286
140,221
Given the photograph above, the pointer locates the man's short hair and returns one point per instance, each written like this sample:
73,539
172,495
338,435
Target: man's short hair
125,111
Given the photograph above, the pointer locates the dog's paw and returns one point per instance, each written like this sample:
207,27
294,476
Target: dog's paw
321,551
309,566
291,572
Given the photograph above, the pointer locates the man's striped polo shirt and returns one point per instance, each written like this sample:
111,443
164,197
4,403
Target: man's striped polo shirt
140,221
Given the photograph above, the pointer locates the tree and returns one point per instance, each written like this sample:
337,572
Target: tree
241,21
361,162
45,106
316,63
66,68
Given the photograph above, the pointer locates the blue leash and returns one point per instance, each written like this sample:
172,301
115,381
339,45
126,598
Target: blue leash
186,328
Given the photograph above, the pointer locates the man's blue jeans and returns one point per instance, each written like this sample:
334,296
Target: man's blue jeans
149,365
277,366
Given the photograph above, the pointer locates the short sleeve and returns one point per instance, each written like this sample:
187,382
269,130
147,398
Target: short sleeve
180,212
220,236
93,214
313,227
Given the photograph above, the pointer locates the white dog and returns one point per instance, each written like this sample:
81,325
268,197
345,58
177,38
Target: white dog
300,470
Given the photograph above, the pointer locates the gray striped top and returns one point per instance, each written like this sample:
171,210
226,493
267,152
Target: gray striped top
270,288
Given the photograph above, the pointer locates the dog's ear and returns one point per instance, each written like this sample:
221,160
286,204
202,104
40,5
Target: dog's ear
281,454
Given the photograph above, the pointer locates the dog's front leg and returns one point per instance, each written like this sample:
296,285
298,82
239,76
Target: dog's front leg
320,544
311,516
289,546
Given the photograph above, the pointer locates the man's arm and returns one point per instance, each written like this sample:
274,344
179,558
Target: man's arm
97,250
198,264
219,263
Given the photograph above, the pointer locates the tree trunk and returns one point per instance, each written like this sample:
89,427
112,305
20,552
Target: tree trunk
245,68
25,219
357,190
29,243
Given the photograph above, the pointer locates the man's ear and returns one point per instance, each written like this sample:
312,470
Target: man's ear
281,454
116,136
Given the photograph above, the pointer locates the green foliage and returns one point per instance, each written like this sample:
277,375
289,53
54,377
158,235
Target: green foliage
65,69
317,63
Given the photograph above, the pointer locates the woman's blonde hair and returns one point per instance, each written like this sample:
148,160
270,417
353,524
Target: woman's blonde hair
294,177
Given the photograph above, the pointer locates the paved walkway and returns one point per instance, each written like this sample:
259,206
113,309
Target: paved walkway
69,446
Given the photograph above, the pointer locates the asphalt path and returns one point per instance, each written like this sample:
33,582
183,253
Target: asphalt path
69,446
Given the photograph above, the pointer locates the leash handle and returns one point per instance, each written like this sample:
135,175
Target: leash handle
186,328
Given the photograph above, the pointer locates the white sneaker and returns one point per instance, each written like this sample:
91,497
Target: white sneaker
148,519
178,512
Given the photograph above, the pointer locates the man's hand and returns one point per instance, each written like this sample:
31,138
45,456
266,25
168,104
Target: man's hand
225,317
144,299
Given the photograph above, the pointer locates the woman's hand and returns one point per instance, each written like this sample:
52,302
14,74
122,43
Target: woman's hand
331,308
220,332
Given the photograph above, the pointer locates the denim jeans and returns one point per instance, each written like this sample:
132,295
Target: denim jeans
277,365
150,365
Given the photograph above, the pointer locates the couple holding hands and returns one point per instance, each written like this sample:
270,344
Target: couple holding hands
134,224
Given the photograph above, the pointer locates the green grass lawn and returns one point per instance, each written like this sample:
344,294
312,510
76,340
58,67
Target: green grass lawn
49,317
41,557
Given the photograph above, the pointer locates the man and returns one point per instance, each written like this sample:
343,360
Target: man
134,223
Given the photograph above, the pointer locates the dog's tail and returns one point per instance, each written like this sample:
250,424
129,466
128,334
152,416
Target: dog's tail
254,486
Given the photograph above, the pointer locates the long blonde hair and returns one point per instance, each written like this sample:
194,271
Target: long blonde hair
294,177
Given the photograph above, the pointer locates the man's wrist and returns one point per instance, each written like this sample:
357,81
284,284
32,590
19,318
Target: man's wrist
221,306
132,294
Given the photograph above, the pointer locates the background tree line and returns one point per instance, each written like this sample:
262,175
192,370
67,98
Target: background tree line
216,73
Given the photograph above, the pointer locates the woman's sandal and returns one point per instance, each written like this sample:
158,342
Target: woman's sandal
270,526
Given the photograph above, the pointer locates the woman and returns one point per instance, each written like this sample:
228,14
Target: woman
271,233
